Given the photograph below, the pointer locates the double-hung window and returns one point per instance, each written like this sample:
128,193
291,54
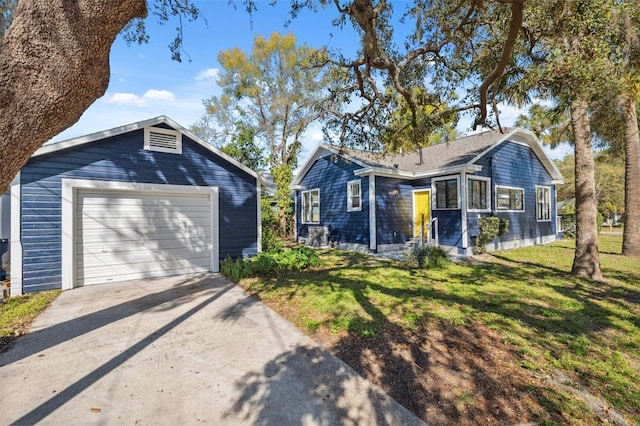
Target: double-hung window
311,206
446,193
509,198
354,196
478,194
543,203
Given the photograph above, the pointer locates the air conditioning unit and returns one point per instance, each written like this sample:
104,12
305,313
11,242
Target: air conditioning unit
318,236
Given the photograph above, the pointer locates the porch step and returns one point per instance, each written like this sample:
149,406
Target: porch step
411,243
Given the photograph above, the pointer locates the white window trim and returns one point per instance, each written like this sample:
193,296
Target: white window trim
488,193
350,207
509,187
548,188
149,147
434,193
302,218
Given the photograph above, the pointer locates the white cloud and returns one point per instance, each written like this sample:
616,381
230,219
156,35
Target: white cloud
159,95
209,73
126,99
131,99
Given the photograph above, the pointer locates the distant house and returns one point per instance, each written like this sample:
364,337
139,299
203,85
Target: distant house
369,202
147,199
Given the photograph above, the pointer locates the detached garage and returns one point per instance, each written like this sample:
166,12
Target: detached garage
144,200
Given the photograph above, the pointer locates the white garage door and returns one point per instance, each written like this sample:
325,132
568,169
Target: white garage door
125,235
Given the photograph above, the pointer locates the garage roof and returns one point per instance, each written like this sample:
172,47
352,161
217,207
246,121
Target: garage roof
162,119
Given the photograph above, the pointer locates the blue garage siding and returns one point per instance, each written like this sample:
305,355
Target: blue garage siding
122,158
394,210
330,175
516,165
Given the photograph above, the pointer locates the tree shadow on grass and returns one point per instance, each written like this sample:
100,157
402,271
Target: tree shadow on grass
465,373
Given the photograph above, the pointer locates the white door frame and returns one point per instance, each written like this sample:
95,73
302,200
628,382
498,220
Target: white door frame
70,189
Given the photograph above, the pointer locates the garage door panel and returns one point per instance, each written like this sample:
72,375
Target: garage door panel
122,235
106,275
125,210
133,233
131,257
169,243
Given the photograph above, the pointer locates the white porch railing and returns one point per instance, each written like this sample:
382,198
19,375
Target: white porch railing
431,232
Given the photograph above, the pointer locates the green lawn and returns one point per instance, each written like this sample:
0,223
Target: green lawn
17,313
551,322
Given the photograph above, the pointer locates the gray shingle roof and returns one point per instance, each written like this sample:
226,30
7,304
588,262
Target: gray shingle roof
447,154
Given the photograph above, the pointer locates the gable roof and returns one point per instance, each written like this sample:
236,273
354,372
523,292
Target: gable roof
162,119
447,157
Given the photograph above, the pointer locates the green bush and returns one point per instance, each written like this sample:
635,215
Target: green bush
269,263
568,223
427,257
271,240
490,228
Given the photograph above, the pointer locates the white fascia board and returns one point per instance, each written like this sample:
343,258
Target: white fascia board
320,151
468,168
370,171
215,150
529,139
70,143
471,168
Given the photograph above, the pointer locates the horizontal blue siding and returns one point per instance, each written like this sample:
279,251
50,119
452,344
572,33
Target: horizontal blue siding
515,165
122,158
394,210
330,174
449,227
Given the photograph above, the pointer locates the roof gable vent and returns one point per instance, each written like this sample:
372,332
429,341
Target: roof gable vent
162,140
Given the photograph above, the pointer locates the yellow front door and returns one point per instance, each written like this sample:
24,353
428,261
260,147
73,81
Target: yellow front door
422,214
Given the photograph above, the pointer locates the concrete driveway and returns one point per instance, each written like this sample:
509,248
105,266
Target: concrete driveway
182,350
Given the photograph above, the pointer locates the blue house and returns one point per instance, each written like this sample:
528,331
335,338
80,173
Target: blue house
369,202
148,199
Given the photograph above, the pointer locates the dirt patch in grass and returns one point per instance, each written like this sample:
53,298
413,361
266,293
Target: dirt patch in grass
446,374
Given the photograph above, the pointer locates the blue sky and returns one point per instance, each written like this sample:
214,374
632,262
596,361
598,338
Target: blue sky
145,82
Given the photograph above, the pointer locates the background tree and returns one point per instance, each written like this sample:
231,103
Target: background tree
435,123
435,53
243,147
565,59
278,92
625,63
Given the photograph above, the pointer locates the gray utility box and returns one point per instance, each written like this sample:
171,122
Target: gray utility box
318,236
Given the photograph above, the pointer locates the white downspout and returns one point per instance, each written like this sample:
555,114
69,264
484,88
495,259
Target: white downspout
15,248
463,206
372,213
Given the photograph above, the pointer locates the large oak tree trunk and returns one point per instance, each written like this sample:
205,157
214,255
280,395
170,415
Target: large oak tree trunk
631,233
54,63
586,261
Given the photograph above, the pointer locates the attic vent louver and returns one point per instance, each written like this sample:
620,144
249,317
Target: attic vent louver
162,140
